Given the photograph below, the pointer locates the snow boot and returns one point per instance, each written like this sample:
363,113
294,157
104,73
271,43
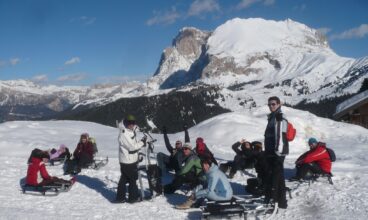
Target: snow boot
187,204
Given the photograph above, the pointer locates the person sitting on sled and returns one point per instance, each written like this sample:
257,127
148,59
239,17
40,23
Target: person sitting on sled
218,186
174,161
190,172
82,156
59,154
316,161
37,174
202,150
242,160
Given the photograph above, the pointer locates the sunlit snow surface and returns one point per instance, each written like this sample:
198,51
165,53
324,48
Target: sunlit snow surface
90,197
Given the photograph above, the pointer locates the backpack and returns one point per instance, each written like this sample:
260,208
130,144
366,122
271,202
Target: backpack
94,144
332,154
290,132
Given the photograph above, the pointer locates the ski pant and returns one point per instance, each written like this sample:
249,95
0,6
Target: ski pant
129,175
303,169
165,162
190,178
275,183
201,193
54,181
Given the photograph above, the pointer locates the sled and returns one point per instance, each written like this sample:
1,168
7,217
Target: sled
98,163
239,206
49,190
56,161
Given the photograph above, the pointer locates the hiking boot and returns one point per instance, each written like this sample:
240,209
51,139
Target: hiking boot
117,201
187,204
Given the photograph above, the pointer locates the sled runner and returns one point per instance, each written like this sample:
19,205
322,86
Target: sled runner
98,163
49,190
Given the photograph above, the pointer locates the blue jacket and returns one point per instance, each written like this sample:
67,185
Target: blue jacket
218,188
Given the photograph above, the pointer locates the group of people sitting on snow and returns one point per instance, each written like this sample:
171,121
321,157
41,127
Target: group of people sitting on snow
82,157
197,167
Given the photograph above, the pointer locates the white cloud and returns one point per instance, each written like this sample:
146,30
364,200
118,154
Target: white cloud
324,30
84,20
358,32
73,60
14,61
72,77
40,78
165,18
198,7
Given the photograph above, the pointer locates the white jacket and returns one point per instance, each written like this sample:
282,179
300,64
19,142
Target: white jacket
129,145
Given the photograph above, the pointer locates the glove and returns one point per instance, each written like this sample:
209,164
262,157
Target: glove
278,117
164,129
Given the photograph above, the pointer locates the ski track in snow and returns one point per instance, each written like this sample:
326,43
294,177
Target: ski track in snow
91,196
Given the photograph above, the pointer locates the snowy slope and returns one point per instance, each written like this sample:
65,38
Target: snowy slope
90,197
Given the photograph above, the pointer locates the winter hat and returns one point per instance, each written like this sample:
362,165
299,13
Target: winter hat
201,147
187,145
129,119
62,146
178,142
312,140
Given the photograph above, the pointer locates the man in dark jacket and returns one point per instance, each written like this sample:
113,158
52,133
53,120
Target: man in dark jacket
190,172
176,157
276,148
317,160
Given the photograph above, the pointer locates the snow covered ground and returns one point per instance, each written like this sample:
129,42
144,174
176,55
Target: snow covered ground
90,197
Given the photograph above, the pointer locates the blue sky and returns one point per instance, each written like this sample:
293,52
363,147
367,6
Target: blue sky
84,42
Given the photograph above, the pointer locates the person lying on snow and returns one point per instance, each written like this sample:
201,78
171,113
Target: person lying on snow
316,161
174,161
190,172
218,186
37,174
242,160
202,150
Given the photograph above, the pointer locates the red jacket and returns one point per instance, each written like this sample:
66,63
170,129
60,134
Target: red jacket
86,148
320,156
36,172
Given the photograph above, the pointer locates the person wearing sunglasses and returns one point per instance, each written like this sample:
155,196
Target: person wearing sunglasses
190,172
176,157
276,148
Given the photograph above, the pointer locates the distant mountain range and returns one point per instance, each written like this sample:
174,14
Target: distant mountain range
242,61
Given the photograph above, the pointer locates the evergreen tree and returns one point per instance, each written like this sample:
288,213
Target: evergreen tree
364,86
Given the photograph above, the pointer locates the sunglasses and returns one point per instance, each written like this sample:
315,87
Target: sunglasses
272,104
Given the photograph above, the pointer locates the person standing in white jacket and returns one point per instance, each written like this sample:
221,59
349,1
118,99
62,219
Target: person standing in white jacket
129,147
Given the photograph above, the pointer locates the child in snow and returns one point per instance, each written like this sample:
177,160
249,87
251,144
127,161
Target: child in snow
61,153
37,174
316,161
218,186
